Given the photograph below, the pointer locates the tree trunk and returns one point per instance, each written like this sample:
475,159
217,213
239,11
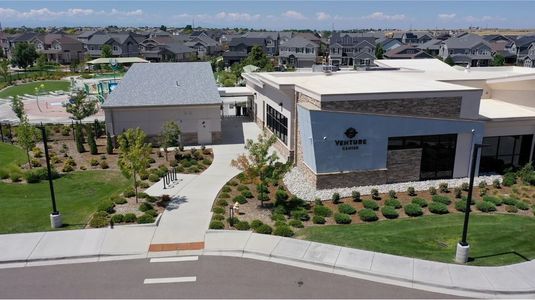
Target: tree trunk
28,156
135,185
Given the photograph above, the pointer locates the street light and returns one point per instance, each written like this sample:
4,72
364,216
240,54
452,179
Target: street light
461,255
55,216
37,91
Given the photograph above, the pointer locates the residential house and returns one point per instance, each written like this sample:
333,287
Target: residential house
351,49
388,43
468,49
166,49
504,46
529,60
270,40
59,48
204,45
298,52
406,52
431,47
4,44
240,47
523,44
412,37
123,44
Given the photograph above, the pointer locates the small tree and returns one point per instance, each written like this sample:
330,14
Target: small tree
170,136
26,135
379,51
79,136
258,158
106,51
498,60
449,61
4,71
109,143
41,61
24,55
80,107
134,154
18,107
91,139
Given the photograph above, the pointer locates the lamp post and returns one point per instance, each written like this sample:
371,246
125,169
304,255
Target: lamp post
55,216
463,248
37,91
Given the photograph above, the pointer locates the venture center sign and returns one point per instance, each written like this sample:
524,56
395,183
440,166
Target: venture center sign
351,143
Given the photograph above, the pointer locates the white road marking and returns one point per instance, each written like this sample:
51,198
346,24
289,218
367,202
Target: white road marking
174,259
170,280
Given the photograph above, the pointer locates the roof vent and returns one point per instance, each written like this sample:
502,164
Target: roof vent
177,84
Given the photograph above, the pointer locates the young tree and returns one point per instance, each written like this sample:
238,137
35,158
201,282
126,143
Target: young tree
498,60
18,107
170,136
109,143
24,55
449,61
379,51
26,134
134,154
106,51
258,158
4,71
41,61
80,107
79,136
258,58
91,139
163,28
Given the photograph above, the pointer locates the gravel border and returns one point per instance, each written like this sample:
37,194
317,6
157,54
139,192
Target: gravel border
296,183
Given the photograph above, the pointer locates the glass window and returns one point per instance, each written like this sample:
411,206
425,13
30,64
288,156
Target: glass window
277,123
505,152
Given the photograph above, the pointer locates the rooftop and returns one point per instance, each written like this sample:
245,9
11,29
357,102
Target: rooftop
495,109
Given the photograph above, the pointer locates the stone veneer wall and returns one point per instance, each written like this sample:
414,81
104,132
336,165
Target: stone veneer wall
189,138
306,99
217,137
403,165
437,107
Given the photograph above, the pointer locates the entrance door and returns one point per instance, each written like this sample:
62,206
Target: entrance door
204,135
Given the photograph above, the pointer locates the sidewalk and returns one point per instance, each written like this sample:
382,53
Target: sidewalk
469,281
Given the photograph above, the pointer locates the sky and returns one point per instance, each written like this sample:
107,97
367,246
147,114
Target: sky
276,15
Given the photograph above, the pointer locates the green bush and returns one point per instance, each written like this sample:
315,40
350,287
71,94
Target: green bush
242,188
106,206
411,191
318,219
233,220
118,200
104,164
336,198
296,223
145,206
247,194
438,208
98,222
432,190
218,210
458,192
522,205
485,206
460,205
511,209
222,202
67,168
224,196
510,201
482,184
443,187
277,217
465,198
346,209
465,186
355,195
32,177
375,194
242,225
284,231
368,215
300,214
240,199
118,218
130,218
497,184
233,183
256,223
151,212
206,162
509,179
281,197
226,189
441,199
370,204
392,194
389,212
264,229
393,202
497,201
145,219
419,201
218,217
322,211
154,177
342,218
216,225
413,210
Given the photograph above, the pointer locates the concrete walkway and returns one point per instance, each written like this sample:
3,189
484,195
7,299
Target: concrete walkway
469,281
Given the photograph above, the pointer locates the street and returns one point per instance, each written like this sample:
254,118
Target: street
190,277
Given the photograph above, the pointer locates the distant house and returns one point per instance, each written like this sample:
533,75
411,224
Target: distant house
240,47
270,40
412,37
388,43
431,47
298,52
123,44
204,45
503,46
406,52
166,48
59,48
4,44
468,49
523,44
351,49
529,60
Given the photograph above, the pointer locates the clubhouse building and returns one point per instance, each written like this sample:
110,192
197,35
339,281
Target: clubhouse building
407,120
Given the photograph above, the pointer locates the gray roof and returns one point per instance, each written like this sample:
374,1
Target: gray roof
165,84
433,44
262,34
297,42
179,48
466,41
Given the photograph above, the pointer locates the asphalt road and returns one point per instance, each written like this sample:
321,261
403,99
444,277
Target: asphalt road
216,277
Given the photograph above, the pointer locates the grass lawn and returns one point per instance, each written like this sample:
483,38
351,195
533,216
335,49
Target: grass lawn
11,154
29,88
494,239
26,207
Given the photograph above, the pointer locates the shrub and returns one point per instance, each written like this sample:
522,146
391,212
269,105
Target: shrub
411,191
106,206
509,179
145,219
37,152
240,199
465,186
104,164
264,229
256,223
154,177
242,225
318,202
243,188
392,194
485,206
144,184
35,162
375,194
173,163
278,217
511,209
355,195
216,225
510,201
280,197
67,168
130,218
346,209
143,175
419,201
129,193
496,183
413,210
482,184
118,200
441,199
438,208
432,190
300,214
296,223
393,202
342,218
118,218
247,194
222,202
370,204
218,217
465,198
98,222
206,161
368,215
218,210
460,205
233,183
483,191
224,196
322,211
285,231
318,219
522,205
389,212
458,192
226,189
497,201
145,206
233,220
336,198
443,187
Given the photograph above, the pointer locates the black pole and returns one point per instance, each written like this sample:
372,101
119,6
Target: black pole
469,197
1,133
52,195
73,132
10,134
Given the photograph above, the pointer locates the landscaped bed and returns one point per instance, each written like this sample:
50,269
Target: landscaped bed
29,88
